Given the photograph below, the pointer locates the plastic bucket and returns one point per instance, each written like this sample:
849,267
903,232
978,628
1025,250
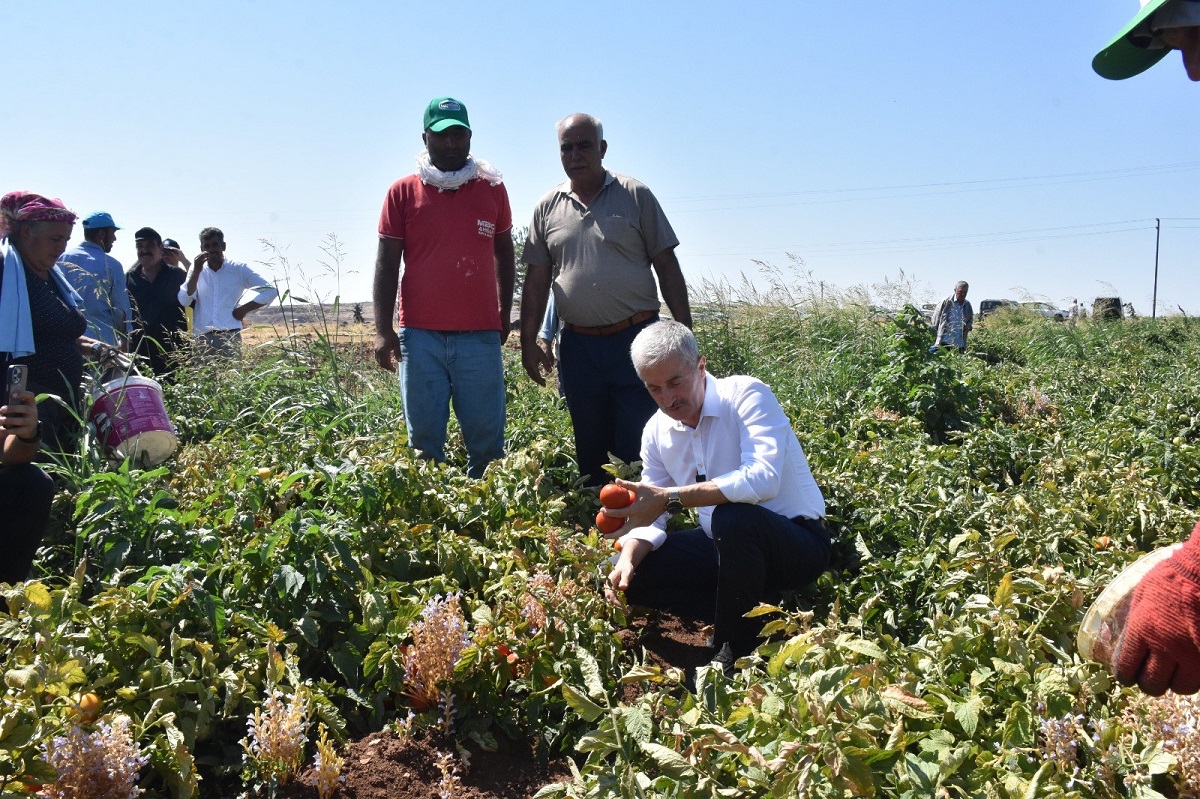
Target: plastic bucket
132,421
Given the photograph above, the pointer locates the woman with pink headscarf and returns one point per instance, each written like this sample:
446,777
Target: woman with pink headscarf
40,321
33,233
41,324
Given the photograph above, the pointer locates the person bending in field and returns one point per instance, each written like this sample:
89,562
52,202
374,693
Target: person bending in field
725,447
450,222
1160,647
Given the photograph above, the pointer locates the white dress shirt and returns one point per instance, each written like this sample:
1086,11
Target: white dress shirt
744,443
219,292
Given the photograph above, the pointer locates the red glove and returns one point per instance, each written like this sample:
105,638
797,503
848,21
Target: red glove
1160,647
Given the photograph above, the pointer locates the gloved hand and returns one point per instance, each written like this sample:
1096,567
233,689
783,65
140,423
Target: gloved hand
1160,646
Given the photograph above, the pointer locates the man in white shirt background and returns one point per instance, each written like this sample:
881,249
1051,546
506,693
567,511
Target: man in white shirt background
217,294
725,447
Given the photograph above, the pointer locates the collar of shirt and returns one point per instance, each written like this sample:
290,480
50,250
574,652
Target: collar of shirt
709,407
565,186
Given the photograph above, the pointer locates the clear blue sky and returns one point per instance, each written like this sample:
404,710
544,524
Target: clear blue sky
945,139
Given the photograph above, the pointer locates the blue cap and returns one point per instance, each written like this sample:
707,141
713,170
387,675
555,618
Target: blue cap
97,219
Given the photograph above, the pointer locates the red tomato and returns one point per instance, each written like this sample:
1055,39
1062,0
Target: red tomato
617,545
608,524
613,496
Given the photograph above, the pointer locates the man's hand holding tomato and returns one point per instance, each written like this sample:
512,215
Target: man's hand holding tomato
649,502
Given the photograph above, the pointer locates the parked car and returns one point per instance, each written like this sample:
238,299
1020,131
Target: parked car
991,306
1108,308
1047,310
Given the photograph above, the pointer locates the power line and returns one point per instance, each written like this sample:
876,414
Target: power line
1066,177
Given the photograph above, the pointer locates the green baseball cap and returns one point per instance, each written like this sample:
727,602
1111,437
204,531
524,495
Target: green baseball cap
445,112
1132,51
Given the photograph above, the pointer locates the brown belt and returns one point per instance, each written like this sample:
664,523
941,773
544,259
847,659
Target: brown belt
608,330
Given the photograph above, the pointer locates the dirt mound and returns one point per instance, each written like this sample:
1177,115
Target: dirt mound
385,766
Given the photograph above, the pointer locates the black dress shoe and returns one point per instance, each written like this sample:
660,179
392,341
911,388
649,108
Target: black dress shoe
724,660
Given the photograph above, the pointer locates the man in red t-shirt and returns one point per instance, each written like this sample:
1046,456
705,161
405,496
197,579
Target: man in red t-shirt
450,223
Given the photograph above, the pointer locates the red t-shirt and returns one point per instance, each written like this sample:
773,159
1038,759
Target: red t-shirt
449,280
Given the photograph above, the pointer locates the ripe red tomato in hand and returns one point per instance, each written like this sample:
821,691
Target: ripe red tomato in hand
613,496
608,524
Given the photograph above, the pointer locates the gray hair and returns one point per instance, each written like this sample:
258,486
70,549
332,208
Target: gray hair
660,342
594,121
962,284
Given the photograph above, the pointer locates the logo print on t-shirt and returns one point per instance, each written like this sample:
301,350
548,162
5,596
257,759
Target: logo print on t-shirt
486,228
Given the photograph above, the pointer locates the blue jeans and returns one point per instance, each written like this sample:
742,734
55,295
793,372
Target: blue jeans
754,555
438,368
608,402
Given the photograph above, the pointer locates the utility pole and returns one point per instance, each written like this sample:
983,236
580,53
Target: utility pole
1154,297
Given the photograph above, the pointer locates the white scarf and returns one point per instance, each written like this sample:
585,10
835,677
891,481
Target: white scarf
475,168
16,321
16,332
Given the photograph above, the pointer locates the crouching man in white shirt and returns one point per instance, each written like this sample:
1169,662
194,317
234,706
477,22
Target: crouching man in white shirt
725,447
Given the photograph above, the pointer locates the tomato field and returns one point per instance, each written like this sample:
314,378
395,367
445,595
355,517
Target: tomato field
294,579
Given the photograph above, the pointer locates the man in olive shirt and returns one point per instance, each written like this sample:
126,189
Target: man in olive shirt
600,238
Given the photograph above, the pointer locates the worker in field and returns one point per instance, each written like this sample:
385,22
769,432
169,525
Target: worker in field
450,224
725,447
1160,646
954,319
216,293
598,240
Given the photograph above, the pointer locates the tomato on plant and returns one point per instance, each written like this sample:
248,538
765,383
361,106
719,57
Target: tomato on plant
608,524
88,706
1102,543
617,545
613,496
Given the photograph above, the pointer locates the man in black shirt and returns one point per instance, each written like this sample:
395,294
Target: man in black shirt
159,321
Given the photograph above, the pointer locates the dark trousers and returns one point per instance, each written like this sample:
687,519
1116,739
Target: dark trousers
608,404
25,496
753,556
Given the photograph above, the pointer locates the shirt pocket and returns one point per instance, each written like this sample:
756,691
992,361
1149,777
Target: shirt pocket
619,233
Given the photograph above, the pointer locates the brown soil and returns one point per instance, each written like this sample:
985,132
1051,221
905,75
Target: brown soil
667,641
385,766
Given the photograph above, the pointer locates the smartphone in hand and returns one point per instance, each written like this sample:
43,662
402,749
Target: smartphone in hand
15,379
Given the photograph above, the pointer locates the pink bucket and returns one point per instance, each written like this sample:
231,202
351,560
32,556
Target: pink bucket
132,421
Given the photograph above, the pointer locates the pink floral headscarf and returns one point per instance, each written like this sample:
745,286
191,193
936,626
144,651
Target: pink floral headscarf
25,206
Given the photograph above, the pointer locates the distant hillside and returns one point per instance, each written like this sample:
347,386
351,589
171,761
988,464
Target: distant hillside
306,314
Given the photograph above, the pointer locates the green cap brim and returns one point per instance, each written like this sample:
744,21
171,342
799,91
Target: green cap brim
442,124
1122,58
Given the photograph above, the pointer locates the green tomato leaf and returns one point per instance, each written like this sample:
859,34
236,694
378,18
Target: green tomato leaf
670,761
579,702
